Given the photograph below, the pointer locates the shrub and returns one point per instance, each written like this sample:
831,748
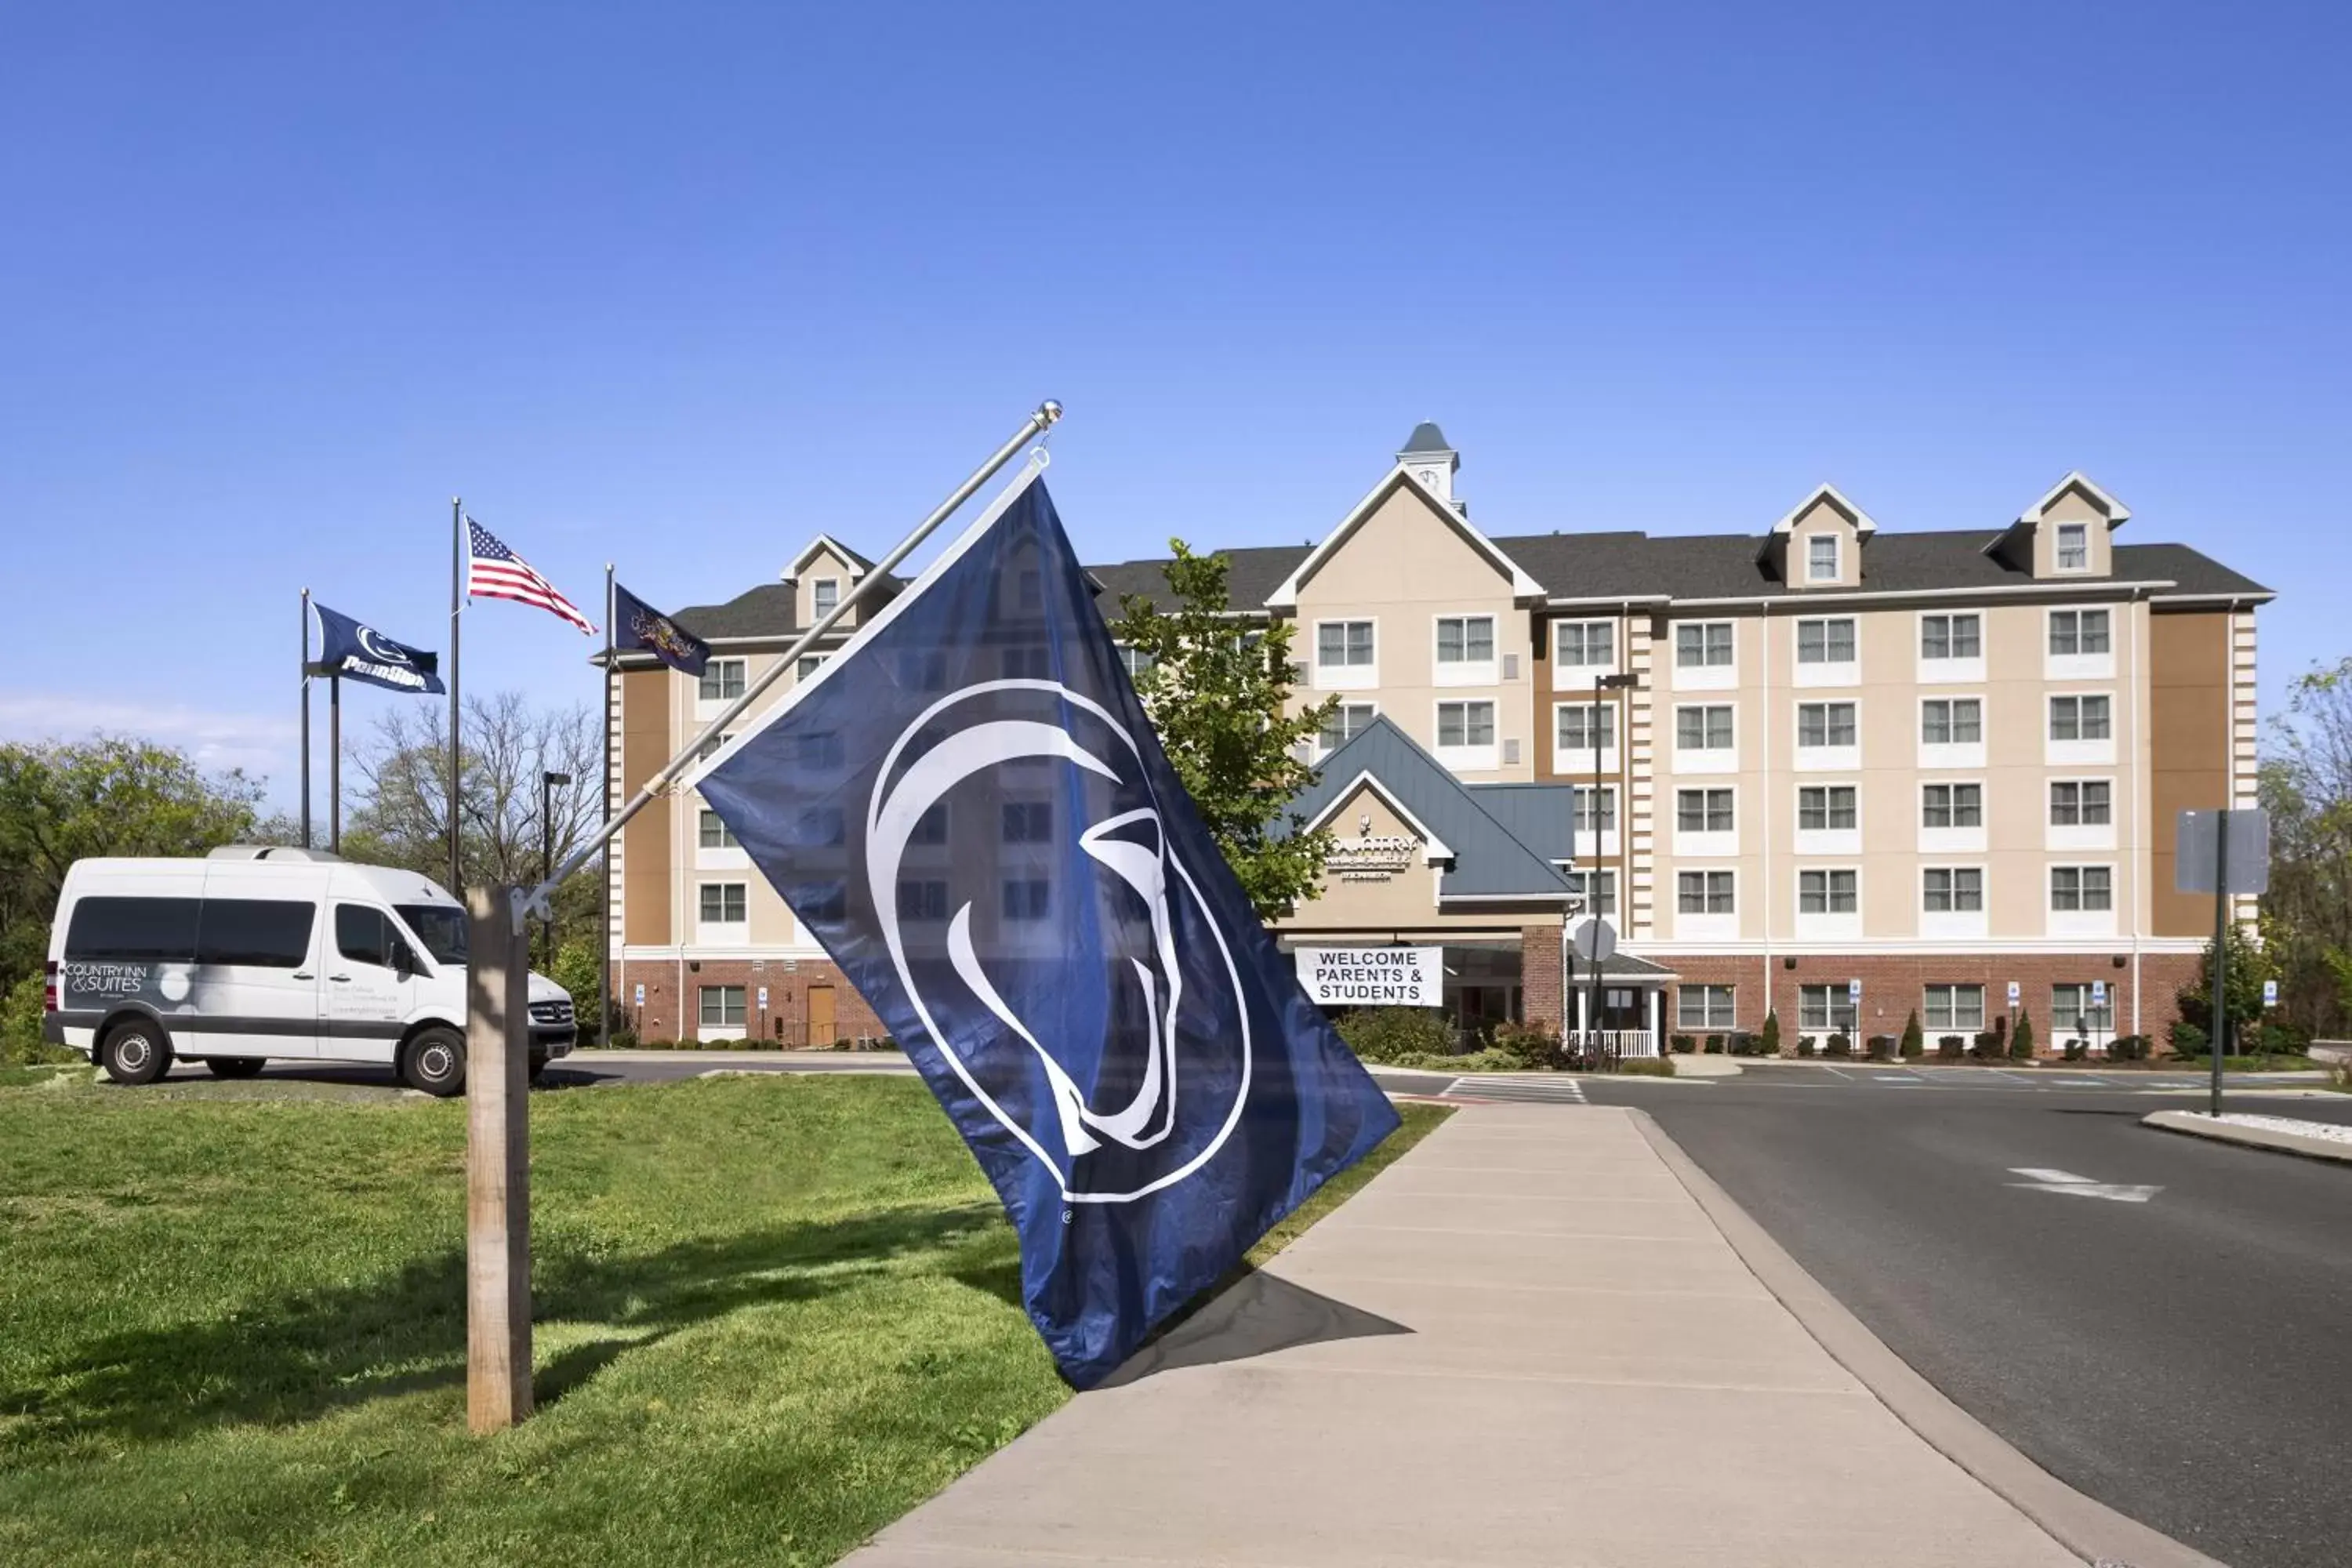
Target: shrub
2188,1039
1950,1048
2129,1048
1647,1067
20,1026
1987,1047
1914,1041
2280,1040
2077,1048
2021,1044
1386,1034
1804,1045
1684,1044
1530,1044
1841,1044
1770,1045
1715,1045
1880,1047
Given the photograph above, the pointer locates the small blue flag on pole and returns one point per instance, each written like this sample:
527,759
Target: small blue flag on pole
969,809
637,626
358,652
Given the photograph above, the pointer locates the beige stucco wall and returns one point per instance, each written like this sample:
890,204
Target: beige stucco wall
2073,506
1822,517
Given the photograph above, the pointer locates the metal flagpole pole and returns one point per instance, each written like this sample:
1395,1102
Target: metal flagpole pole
456,584
335,764
306,717
1041,420
2220,1012
604,857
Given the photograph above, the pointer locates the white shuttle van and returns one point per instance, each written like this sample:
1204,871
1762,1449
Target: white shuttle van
260,953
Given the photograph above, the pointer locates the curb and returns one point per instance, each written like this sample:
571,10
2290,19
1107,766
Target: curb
2197,1124
2084,1525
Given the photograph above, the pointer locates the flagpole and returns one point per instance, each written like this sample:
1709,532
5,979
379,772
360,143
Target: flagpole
456,582
605,859
1041,420
306,717
334,764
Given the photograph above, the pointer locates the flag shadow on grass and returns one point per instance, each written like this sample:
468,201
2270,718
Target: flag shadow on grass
303,1356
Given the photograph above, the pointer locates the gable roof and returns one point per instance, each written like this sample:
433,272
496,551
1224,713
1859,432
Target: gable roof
2117,514
765,611
1489,861
1862,525
1286,595
858,564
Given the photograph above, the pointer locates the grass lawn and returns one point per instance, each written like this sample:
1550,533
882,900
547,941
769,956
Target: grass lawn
774,1313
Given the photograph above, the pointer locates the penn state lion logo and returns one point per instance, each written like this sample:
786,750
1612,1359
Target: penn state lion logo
1174,1060
383,649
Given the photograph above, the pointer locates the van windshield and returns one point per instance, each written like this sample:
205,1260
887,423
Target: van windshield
440,927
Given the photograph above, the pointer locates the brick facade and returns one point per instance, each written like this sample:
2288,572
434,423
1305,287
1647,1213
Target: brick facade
1539,975
1893,985
788,1015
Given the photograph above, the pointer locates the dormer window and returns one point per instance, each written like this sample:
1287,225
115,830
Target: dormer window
1821,558
824,595
2073,547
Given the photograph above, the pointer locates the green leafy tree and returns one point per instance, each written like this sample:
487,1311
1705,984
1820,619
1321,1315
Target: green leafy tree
1218,692
2021,1042
2249,967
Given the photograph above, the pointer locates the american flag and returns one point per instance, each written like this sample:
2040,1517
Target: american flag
495,572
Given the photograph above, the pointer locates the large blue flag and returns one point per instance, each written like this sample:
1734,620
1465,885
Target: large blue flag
357,651
969,809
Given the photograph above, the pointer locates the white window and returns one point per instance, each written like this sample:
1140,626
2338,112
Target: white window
823,596
1952,721
1829,892
1604,885
2073,547
1951,637
712,833
1136,660
2074,1011
1821,558
1344,654
1827,808
1702,645
1825,641
2078,632
723,903
809,663
723,680
1703,811
2082,802
1343,723
1584,808
1821,1008
1584,645
1951,805
1465,724
1707,729
1582,727
1703,1007
1466,639
1952,890
1956,1009
2085,890
1704,893
2081,719
1828,735
722,1008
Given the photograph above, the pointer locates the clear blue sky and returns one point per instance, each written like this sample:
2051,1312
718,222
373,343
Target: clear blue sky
679,285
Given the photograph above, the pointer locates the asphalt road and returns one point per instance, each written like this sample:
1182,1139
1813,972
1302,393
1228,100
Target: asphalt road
2186,1358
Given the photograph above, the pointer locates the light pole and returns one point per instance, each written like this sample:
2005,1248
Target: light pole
1601,683
548,783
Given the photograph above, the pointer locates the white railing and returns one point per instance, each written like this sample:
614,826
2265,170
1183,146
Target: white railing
1622,1042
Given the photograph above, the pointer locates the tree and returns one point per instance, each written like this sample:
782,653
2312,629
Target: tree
2306,786
2249,967
1218,693
1772,1033
1914,1039
2021,1042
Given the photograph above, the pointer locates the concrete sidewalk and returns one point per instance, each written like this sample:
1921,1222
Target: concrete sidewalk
1524,1342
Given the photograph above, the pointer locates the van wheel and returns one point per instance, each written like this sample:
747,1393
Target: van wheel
235,1067
537,1066
136,1051
435,1062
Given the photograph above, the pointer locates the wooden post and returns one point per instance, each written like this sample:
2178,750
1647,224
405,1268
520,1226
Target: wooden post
498,1161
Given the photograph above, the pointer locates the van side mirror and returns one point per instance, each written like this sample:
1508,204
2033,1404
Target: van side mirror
404,962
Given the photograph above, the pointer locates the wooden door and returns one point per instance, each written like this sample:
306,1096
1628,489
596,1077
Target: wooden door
820,1016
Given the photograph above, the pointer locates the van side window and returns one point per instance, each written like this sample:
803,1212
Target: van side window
365,936
268,933
133,930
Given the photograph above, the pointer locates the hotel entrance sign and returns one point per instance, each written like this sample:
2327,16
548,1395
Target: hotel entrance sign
1374,976
1369,857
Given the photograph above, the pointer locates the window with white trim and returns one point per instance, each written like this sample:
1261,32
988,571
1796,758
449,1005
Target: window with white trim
2073,547
2082,888
1821,558
2074,1012
1584,808
809,663
1952,721
1136,660
1704,893
712,832
1703,728
824,595
1951,805
1825,724
1827,641
1829,892
723,680
1465,724
1604,885
723,903
1584,645
1027,821
1821,1008
1703,811
2082,802
2082,718
1466,639
2074,632
1703,1006
1952,890
1343,644
1343,723
1951,637
1955,1008
1578,728
721,1007
1828,808
1702,645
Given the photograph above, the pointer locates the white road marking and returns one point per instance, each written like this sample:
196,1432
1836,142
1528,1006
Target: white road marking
2042,1181
1827,1069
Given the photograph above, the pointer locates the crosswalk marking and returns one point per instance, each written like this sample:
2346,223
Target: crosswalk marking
1535,1091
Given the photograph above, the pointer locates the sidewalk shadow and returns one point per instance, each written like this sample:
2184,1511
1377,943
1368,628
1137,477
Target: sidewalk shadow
1256,1315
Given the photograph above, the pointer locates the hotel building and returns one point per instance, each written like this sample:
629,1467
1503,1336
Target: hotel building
1813,767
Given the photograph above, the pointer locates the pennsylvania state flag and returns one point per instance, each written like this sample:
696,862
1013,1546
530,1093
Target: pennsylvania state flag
969,809
638,626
